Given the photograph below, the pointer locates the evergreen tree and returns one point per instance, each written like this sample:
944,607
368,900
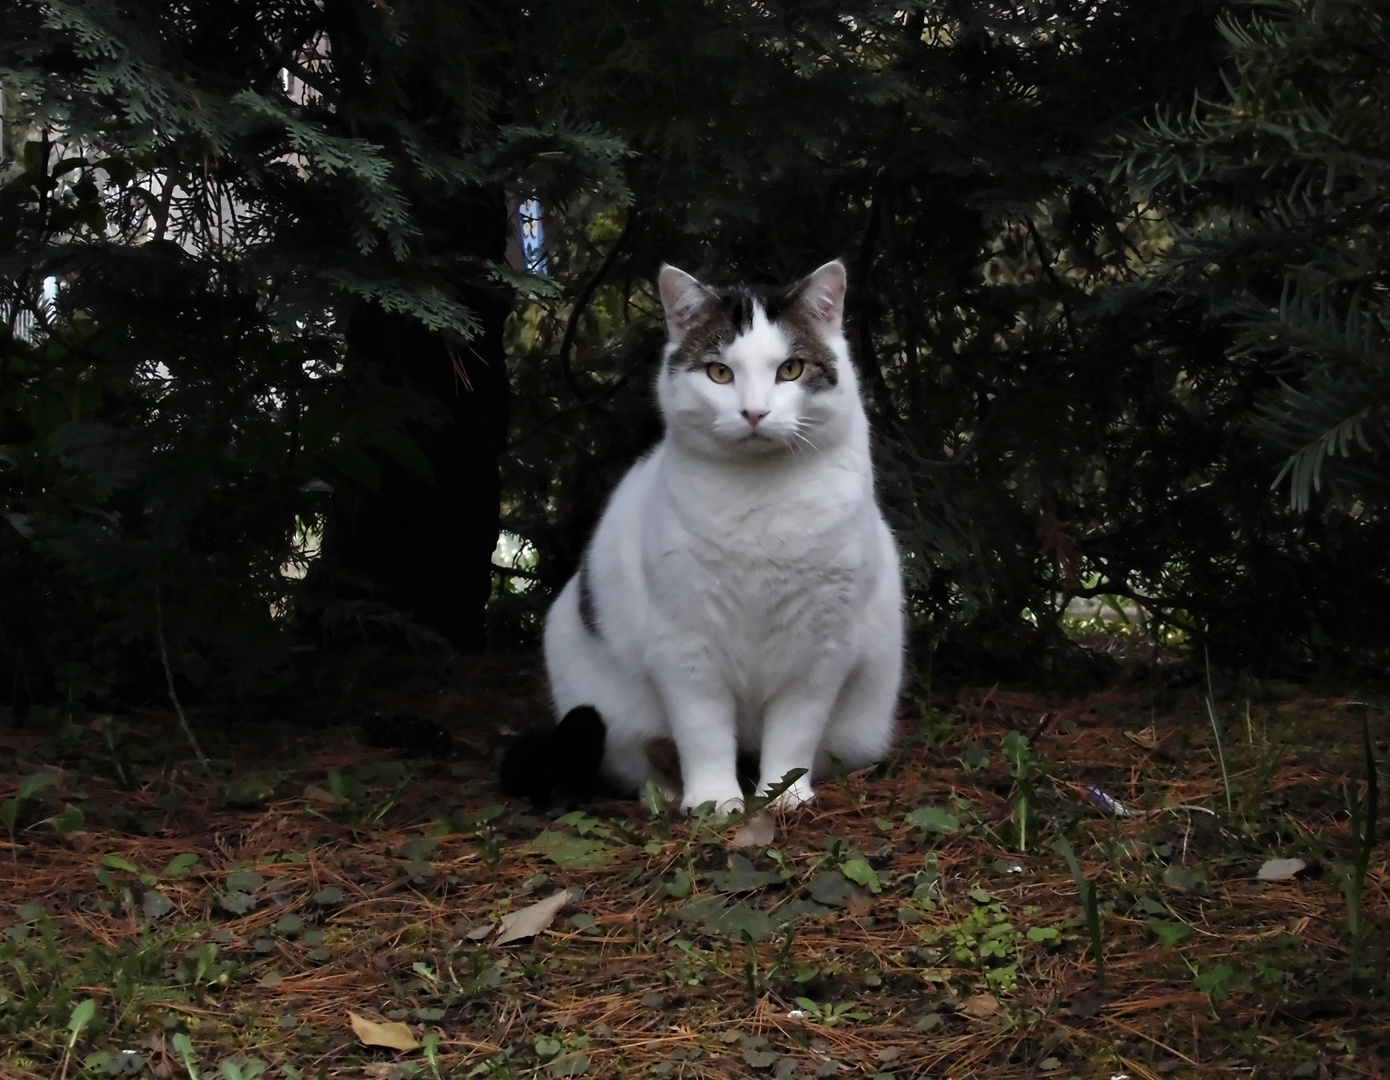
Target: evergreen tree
266,321
1276,186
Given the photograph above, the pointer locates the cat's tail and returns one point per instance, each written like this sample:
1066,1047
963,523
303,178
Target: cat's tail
561,764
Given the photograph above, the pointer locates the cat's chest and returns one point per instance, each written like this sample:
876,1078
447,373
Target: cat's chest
749,573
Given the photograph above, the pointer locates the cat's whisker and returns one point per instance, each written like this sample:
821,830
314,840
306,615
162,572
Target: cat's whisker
796,432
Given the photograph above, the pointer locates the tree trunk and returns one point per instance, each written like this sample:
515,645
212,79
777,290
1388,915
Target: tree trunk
427,547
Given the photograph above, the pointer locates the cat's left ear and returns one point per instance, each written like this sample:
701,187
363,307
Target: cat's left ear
822,294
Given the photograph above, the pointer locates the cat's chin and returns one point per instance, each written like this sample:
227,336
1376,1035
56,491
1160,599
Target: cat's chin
756,444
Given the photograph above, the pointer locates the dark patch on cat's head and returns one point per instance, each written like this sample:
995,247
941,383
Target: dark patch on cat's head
822,367
729,312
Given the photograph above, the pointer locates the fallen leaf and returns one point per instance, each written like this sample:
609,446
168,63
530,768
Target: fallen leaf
531,920
861,873
1180,877
394,1034
979,1007
1147,738
480,932
1281,869
566,850
742,876
1084,1006
933,819
155,904
739,919
830,888
758,831
570,1065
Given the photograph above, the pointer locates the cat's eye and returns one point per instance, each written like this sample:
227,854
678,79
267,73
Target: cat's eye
720,373
790,370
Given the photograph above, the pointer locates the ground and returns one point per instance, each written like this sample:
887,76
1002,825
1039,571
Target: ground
313,897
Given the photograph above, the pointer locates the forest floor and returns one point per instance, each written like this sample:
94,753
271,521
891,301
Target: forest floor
318,908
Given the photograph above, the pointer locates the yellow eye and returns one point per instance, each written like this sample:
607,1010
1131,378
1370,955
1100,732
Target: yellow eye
720,373
790,370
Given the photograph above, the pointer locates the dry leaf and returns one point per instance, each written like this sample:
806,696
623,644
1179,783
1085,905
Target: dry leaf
758,831
480,932
1148,738
531,920
394,1034
860,902
1086,1005
979,1007
1281,869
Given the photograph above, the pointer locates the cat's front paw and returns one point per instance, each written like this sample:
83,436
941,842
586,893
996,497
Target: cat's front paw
723,806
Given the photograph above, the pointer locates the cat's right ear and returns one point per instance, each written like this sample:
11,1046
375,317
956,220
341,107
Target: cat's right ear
682,298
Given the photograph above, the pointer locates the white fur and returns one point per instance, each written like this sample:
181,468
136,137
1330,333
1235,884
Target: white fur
747,589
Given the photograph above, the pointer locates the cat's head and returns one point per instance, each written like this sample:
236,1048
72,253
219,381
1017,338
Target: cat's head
755,371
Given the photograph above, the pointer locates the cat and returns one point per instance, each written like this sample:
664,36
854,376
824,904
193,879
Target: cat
742,592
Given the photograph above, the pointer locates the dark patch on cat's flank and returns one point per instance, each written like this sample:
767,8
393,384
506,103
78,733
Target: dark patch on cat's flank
588,612
560,765
730,313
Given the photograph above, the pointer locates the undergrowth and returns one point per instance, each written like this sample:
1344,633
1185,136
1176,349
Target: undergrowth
1030,887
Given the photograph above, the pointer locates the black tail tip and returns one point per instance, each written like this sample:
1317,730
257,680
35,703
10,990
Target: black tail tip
560,764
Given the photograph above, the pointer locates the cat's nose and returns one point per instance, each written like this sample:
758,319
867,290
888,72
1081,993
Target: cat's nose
753,417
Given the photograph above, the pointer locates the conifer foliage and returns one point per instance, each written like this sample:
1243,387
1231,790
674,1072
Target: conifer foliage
212,217
1292,165
1113,267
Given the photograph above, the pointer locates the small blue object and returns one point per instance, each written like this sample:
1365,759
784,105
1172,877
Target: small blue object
531,228
1107,802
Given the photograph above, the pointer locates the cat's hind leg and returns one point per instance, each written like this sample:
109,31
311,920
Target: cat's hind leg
862,723
584,671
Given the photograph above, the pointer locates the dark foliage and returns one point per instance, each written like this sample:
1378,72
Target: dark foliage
272,236
1095,319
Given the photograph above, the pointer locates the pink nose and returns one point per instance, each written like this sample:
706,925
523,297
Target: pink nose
754,417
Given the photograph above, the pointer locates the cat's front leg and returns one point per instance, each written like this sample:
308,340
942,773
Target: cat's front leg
704,728
793,724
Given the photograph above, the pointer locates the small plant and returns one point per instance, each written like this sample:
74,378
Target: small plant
830,1015
1024,766
1363,813
82,1015
1216,733
354,801
1089,904
986,939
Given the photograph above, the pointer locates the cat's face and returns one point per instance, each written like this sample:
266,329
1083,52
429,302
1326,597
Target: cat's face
754,372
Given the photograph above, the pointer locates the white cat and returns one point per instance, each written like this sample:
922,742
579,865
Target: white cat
742,591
